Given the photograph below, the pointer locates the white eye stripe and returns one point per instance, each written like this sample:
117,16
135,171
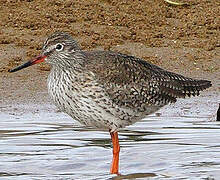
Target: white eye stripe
48,49
59,47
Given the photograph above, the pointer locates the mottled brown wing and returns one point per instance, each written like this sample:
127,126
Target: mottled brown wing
132,82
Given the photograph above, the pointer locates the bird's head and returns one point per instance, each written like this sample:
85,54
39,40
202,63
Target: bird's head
59,49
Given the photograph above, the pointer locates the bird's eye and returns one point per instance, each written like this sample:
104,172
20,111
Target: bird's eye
59,47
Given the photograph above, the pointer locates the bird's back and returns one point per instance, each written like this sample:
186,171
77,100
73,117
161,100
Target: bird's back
135,83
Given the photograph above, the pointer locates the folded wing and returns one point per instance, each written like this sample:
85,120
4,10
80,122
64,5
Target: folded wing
132,82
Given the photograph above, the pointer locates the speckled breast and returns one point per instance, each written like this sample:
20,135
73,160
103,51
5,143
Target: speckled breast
84,100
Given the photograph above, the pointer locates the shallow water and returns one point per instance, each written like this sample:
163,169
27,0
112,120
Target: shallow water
181,141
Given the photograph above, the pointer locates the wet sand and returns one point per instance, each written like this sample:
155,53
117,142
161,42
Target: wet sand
183,39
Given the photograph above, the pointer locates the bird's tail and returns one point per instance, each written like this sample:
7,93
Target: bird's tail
176,86
193,87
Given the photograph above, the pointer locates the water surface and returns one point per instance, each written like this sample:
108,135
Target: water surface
181,141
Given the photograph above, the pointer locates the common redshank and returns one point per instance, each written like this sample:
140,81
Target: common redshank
108,90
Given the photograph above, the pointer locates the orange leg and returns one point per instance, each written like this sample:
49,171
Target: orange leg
116,150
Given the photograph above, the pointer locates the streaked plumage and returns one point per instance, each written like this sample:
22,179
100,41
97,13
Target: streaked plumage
110,90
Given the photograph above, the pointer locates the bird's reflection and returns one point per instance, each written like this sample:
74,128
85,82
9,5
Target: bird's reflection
133,176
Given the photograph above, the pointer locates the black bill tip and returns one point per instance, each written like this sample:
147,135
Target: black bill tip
29,63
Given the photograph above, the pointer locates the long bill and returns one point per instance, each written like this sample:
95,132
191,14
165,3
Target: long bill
37,60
